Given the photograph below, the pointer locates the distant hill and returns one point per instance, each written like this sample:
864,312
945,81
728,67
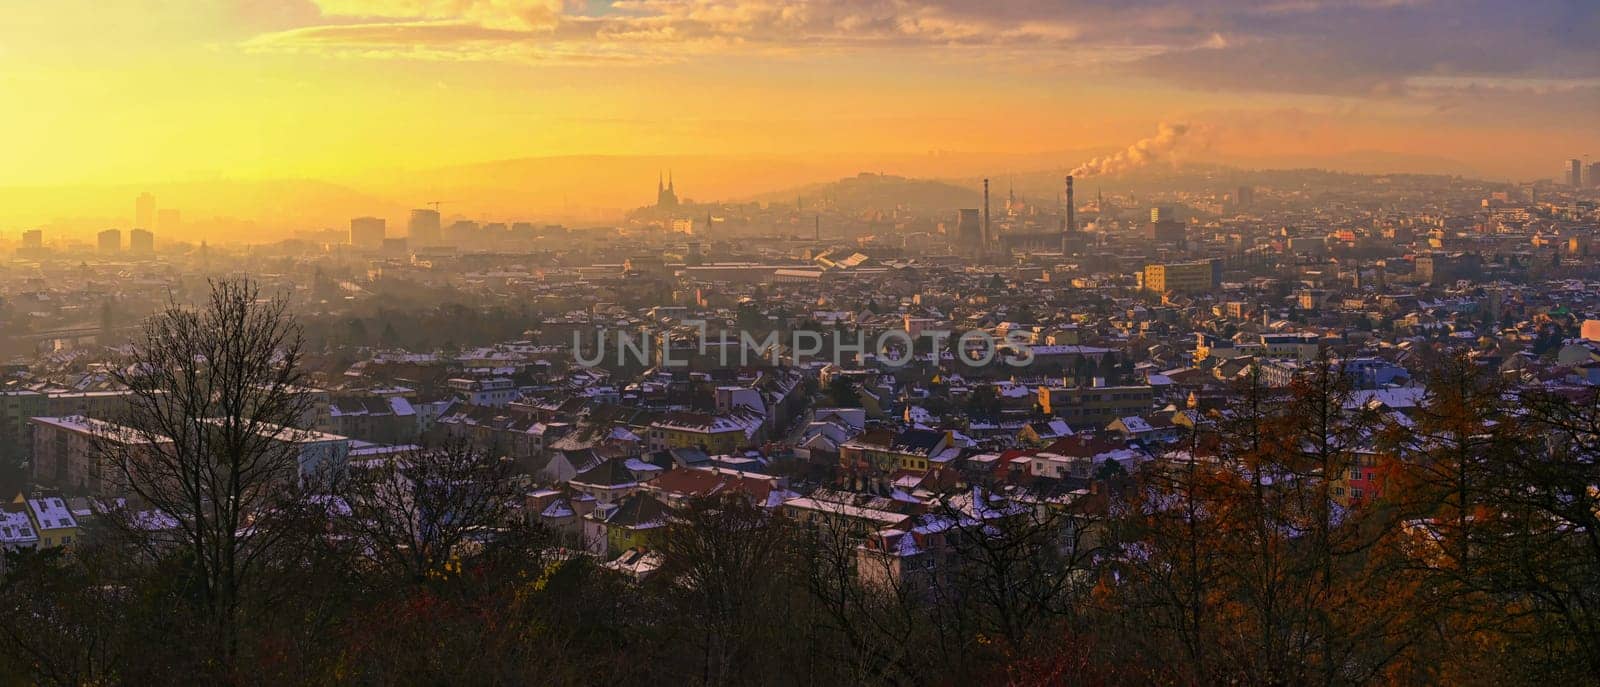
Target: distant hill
868,191
604,187
1361,162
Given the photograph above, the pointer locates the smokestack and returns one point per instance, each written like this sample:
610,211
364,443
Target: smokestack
1069,225
1072,208
985,235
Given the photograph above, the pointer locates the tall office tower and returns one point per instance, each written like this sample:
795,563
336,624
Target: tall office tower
986,238
33,239
141,242
110,241
424,229
167,220
144,212
1591,175
969,228
1244,197
367,233
1575,173
1164,226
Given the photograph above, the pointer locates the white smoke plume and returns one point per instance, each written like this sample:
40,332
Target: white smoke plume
1141,154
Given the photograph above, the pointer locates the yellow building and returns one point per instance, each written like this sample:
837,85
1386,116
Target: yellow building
884,451
716,434
51,517
634,522
1182,277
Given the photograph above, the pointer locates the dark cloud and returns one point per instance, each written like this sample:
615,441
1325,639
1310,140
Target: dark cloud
1378,49
1368,48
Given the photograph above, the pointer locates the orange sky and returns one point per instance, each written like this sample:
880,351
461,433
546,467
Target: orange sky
153,91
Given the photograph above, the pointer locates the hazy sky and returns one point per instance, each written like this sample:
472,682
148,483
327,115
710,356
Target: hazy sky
115,91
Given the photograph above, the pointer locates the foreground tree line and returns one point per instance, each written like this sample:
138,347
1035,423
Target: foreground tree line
1236,557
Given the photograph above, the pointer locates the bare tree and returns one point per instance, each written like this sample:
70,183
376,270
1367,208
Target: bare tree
864,633
1020,563
1540,552
413,513
724,556
56,626
214,390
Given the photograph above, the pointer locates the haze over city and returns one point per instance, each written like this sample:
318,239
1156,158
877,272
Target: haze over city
295,113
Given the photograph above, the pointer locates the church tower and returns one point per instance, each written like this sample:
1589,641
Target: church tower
666,196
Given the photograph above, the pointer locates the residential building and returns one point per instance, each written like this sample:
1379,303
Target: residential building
1183,277
1095,405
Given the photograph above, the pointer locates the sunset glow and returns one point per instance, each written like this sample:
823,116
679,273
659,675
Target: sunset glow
363,92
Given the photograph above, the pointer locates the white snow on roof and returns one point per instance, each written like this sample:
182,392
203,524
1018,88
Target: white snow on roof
52,513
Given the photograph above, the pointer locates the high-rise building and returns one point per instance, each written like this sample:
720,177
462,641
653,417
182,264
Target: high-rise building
1164,226
110,241
1244,197
462,232
969,227
167,220
1591,175
144,212
423,229
1575,173
141,242
33,239
985,236
367,232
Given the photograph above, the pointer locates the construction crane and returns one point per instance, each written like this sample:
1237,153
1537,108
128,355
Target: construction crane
437,203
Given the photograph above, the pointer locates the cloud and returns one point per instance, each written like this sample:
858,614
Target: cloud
1364,48
500,14
674,29
1383,48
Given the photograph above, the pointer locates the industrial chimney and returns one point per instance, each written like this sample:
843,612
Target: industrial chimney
1072,209
1069,226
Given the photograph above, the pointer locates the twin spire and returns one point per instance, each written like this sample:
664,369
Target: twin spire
666,195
